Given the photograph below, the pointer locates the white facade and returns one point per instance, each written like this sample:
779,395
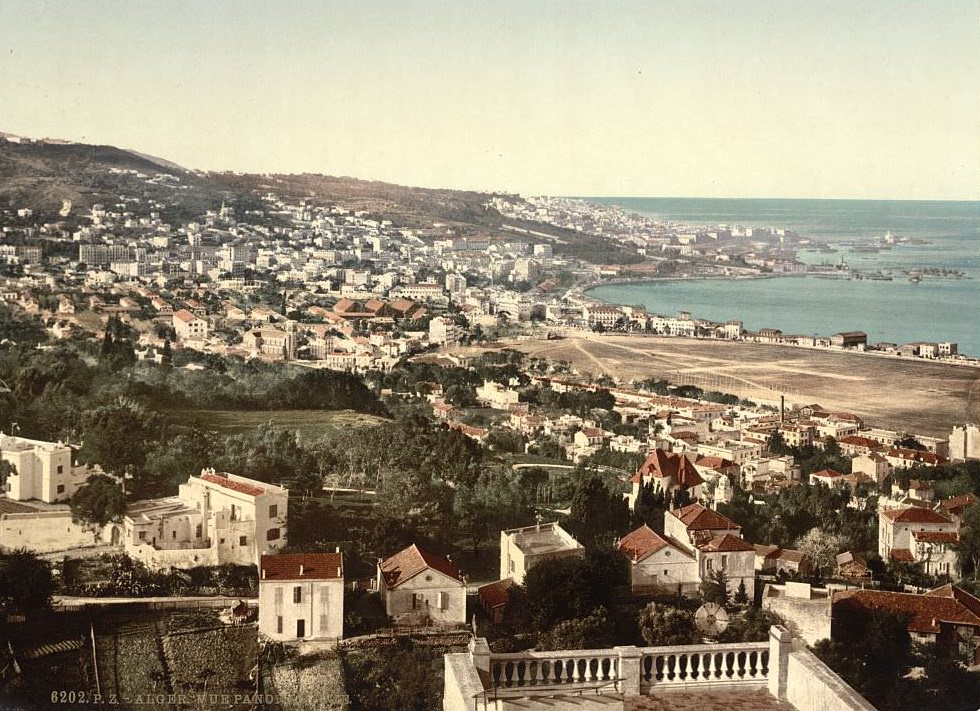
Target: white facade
964,443
523,548
301,596
421,588
215,519
44,470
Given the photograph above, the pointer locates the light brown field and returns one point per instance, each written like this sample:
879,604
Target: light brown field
918,396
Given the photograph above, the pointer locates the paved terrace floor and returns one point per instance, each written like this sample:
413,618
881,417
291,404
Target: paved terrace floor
707,700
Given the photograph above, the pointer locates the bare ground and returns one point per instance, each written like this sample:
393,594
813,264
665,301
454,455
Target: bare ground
918,396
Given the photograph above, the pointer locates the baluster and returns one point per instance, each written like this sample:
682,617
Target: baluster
682,671
740,658
605,666
765,662
646,668
694,661
556,670
532,673
495,673
581,670
509,674
661,663
753,663
570,671
671,667
705,667
593,669
730,665
521,671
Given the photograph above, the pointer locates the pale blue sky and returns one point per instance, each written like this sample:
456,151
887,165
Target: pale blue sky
742,98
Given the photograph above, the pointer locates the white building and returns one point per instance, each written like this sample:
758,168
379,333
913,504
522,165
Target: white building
188,326
419,587
301,596
216,518
919,535
657,565
444,331
964,442
715,542
523,548
44,469
496,395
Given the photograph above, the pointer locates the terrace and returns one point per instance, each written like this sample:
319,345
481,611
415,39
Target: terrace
755,675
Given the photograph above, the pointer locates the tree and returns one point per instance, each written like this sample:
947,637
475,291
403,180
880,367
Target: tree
741,596
26,584
6,470
776,444
555,590
98,502
714,588
822,548
594,631
118,437
597,514
968,545
663,625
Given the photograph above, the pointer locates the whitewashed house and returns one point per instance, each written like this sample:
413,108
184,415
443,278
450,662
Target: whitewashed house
301,596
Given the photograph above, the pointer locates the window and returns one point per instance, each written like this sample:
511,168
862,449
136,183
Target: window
221,541
243,540
666,554
272,534
665,572
198,531
443,601
273,511
61,468
142,535
298,594
278,596
708,564
174,534
512,565
324,622
279,624
61,488
724,562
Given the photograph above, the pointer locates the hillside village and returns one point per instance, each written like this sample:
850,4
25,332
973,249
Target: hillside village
529,530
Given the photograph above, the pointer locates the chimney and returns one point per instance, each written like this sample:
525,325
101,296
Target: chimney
338,549
301,570
263,573
782,409
340,571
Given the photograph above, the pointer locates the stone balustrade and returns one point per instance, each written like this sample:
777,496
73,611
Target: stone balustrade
582,667
744,663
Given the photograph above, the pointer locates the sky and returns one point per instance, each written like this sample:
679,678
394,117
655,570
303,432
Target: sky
855,99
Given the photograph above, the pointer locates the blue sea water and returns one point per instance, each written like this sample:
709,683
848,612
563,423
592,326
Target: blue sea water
897,311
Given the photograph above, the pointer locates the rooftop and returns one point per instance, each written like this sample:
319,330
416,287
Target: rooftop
302,566
411,561
543,539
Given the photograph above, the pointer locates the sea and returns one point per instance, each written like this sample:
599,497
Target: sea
941,234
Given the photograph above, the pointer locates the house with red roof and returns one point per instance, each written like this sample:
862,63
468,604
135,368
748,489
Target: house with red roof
919,535
422,588
216,518
301,596
947,616
667,472
715,542
658,565
189,326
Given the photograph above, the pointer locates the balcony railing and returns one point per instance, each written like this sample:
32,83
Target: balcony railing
568,668
742,663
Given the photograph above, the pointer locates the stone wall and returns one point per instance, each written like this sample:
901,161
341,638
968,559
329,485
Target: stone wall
812,686
45,532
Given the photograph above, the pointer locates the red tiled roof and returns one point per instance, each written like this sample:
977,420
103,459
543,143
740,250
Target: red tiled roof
315,566
640,543
936,536
716,463
696,517
727,544
916,456
413,560
946,604
957,504
661,464
902,555
916,515
240,487
184,315
827,474
494,594
859,441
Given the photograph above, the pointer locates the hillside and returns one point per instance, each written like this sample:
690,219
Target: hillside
41,175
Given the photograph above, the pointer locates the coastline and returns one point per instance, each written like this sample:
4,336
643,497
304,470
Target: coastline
587,292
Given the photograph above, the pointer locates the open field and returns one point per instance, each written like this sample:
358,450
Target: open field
919,396
312,425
